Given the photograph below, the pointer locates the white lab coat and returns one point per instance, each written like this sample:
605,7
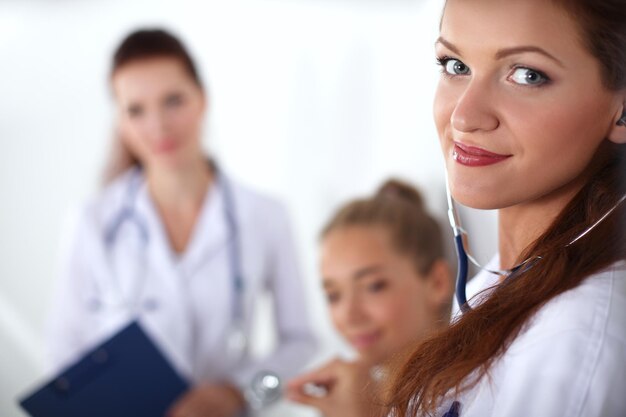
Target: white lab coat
184,301
569,361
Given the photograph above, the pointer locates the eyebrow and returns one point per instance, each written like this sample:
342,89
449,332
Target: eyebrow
521,49
358,275
447,45
502,53
368,270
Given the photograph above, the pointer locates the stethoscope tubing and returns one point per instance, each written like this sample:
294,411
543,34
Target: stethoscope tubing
128,213
461,274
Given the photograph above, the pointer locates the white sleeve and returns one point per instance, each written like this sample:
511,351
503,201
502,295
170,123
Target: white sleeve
66,321
573,373
577,371
296,342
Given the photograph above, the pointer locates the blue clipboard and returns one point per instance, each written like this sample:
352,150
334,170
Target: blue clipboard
126,376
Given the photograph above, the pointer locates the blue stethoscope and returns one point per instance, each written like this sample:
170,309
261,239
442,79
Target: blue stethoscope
464,256
265,387
236,342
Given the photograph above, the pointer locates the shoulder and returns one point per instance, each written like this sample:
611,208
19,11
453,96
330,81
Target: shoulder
250,197
572,354
598,304
95,213
264,219
256,206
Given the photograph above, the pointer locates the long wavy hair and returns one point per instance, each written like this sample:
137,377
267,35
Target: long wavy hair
455,359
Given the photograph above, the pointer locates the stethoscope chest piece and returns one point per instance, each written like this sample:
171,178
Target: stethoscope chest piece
264,389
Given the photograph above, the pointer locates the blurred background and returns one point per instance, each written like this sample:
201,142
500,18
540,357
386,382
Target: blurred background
312,101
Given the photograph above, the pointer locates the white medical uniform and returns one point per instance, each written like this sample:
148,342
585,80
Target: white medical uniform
570,360
184,302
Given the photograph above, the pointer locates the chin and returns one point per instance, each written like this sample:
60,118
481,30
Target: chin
475,202
169,161
375,355
475,192
473,198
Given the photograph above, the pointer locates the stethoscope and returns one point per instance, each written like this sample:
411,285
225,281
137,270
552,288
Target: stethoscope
265,387
236,341
464,256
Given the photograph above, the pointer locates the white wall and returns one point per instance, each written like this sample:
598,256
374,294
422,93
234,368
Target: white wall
314,101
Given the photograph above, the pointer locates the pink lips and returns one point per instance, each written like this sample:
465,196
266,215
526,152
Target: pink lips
475,157
363,341
166,146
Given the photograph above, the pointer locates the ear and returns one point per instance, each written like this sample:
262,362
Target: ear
617,134
439,284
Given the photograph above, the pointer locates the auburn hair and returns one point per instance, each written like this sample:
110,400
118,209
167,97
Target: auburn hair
456,358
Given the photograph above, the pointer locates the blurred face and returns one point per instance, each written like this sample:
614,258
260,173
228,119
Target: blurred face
160,110
377,301
520,108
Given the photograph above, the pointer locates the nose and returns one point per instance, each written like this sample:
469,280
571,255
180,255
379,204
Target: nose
475,109
157,123
353,313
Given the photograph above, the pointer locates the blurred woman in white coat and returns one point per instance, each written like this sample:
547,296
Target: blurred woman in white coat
173,242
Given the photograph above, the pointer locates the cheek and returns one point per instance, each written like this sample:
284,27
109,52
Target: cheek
443,106
188,120
394,312
133,134
340,317
336,318
384,313
411,313
440,113
570,128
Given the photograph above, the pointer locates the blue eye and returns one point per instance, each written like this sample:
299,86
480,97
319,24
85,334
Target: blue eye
527,76
452,66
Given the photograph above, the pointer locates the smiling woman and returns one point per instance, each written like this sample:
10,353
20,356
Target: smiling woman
530,115
511,107
387,285
384,273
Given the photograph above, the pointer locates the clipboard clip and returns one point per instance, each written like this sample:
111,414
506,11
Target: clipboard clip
91,367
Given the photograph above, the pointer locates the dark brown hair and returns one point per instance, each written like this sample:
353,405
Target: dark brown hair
137,46
398,208
455,359
153,43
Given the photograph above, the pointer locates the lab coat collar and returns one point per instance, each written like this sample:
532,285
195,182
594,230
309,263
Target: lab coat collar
485,279
209,235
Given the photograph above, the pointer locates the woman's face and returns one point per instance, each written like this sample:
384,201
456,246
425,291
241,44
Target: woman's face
161,110
377,300
521,107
